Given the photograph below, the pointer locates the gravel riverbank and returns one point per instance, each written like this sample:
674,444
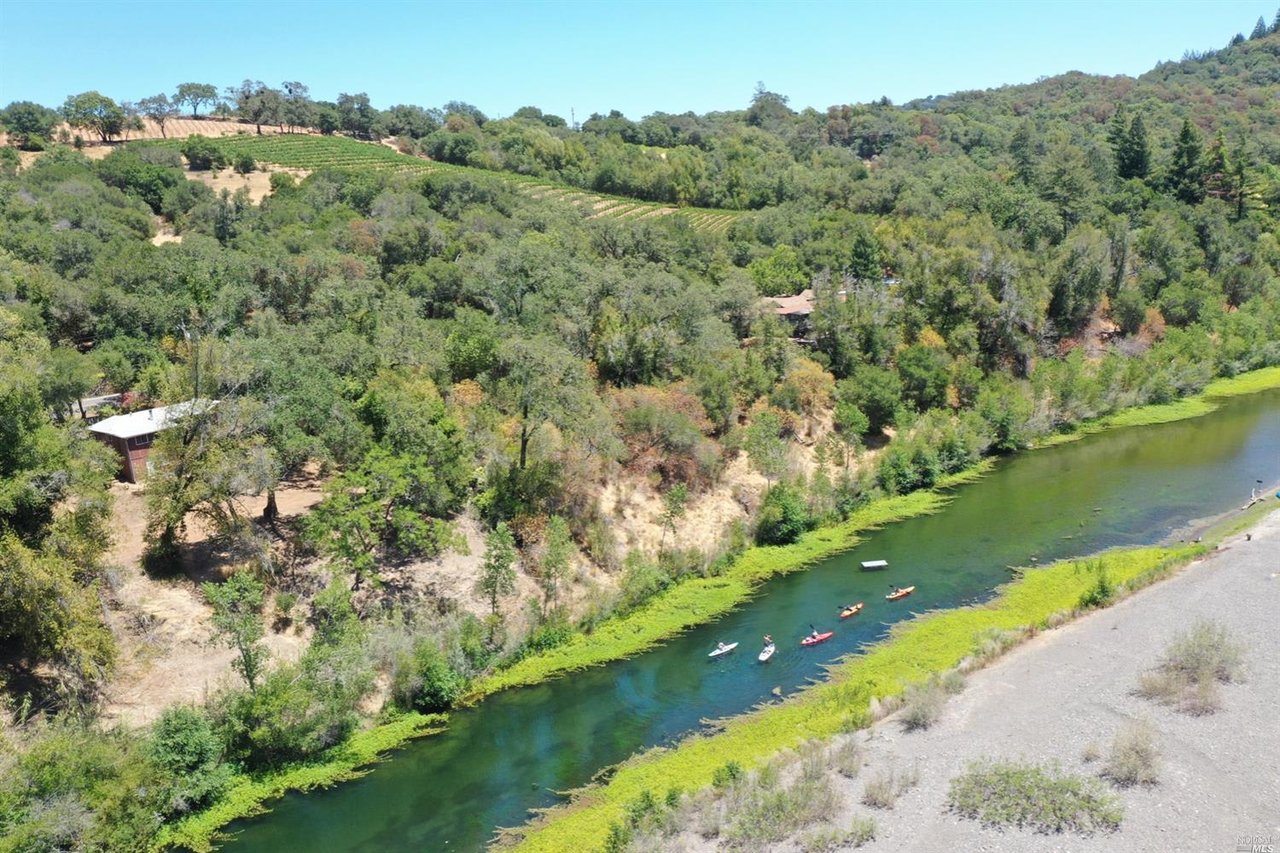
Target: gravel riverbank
1073,686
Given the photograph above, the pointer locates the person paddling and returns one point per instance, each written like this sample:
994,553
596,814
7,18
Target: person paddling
768,640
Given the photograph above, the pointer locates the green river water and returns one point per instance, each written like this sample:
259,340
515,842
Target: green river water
515,749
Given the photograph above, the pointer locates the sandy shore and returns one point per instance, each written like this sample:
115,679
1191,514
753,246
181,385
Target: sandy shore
1052,696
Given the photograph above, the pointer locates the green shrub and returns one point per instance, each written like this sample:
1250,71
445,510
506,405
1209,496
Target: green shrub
78,788
886,785
1044,799
284,603
182,742
783,518
552,633
763,813
646,817
846,758
642,579
515,491
203,154
428,683
923,705
472,640
726,775
618,839
994,642
1134,757
952,682
862,831
293,715
1101,593
126,170
332,613
1206,650
1192,667
244,164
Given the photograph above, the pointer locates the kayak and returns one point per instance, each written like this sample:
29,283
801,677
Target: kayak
851,611
723,650
767,652
901,593
821,638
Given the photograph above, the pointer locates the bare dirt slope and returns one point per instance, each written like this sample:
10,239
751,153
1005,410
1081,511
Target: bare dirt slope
167,653
635,507
257,183
1050,698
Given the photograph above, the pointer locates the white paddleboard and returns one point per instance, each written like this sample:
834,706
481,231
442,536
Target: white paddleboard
767,652
724,650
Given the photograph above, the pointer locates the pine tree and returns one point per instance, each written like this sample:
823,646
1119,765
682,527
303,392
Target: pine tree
1259,29
1239,178
1275,25
1184,172
1117,129
1139,149
1133,155
1215,173
864,260
1022,147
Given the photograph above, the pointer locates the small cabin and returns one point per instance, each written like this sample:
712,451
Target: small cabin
133,434
795,310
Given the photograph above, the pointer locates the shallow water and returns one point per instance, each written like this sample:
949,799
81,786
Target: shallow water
515,749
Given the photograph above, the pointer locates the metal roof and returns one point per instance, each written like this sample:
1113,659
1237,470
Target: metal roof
145,422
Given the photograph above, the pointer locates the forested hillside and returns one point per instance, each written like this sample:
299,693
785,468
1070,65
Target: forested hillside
987,269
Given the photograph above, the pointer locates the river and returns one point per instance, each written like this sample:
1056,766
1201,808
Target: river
514,750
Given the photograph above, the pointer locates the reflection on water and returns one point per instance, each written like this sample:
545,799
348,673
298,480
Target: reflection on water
516,749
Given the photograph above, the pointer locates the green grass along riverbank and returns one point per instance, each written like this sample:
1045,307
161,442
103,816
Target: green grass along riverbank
247,794
677,609
928,644
1203,403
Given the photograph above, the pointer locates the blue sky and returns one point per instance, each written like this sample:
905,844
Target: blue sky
638,57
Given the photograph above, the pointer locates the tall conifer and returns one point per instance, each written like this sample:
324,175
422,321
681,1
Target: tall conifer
1133,155
1184,179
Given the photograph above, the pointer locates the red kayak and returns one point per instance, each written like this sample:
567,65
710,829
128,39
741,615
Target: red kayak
821,638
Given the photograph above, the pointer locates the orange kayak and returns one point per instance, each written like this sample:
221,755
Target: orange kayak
900,593
851,611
